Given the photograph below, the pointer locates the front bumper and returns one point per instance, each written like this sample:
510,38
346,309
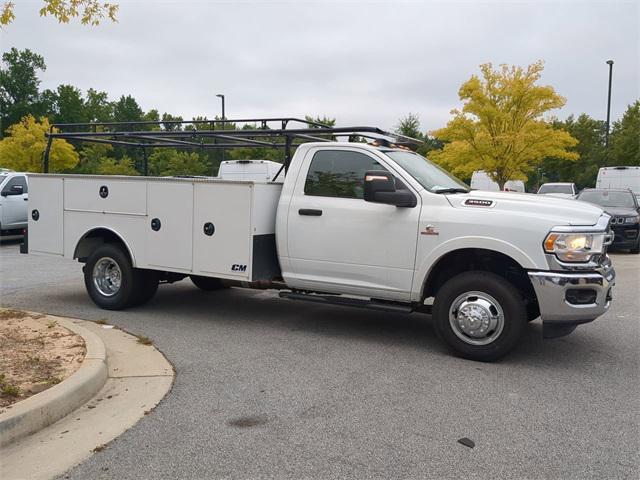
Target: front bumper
567,299
626,236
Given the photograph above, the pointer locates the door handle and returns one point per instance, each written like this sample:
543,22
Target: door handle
26,199
312,212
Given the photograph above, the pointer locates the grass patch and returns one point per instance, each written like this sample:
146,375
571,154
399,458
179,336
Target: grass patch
102,321
9,313
7,389
142,340
53,380
51,323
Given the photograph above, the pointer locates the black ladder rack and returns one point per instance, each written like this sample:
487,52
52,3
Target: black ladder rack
285,133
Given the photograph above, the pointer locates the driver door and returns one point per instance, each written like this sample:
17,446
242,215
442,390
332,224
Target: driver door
342,244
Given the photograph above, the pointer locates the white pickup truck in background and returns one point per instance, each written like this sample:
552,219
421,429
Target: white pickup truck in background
14,194
352,224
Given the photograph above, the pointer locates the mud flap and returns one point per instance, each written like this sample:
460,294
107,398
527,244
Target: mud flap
24,246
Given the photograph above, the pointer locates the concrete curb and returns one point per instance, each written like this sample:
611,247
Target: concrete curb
43,409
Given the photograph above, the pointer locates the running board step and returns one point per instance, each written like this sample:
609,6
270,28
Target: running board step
347,302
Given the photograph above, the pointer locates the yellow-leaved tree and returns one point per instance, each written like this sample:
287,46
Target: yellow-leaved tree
24,146
500,128
90,12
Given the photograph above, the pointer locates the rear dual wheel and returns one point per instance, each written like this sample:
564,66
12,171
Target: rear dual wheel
113,283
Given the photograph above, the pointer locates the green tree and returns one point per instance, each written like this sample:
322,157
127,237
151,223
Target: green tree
159,159
90,12
328,121
168,161
624,141
111,166
98,108
66,105
185,163
23,149
590,136
126,109
91,156
19,84
409,126
500,128
167,120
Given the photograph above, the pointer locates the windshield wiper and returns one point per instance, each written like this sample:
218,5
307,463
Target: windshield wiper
451,190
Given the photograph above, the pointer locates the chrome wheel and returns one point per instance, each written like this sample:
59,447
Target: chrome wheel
107,276
476,318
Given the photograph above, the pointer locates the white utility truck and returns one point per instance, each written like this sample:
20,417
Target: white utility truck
359,224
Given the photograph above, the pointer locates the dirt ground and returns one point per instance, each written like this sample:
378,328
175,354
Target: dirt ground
35,354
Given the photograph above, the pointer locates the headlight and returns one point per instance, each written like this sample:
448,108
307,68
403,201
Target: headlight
632,219
574,247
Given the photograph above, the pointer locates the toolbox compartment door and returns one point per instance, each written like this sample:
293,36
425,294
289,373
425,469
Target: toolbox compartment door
169,225
225,252
44,214
106,195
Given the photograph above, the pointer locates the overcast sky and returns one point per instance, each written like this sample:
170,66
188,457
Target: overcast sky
362,62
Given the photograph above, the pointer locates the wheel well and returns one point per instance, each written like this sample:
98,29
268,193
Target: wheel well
468,259
92,239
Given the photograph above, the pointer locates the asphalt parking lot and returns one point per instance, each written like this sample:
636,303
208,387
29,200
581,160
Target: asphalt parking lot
270,388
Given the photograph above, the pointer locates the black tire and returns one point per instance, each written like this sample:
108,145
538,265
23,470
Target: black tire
147,288
208,284
636,249
130,278
496,289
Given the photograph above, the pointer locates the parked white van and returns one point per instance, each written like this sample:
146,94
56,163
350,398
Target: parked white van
620,177
480,180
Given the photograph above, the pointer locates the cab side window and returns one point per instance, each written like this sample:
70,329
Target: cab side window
338,173
17,180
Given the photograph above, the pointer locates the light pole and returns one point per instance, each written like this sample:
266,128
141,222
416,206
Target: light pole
606,135
221,97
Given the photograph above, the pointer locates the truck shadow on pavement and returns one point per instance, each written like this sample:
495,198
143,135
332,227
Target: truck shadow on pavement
248,310
181,309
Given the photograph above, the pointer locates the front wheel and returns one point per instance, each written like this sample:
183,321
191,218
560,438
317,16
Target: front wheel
636,249
479,315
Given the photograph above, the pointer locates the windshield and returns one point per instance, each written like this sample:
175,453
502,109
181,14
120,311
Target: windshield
427,174
556,189
606,198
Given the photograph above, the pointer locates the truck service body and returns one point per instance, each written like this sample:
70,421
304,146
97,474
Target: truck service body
352,224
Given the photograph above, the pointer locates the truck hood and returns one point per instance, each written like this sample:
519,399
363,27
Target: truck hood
558,211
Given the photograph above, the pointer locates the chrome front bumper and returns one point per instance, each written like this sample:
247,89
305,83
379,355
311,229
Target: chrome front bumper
551,289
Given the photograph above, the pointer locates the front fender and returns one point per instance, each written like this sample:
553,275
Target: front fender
426,262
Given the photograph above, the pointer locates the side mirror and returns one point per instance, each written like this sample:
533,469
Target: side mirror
380,187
